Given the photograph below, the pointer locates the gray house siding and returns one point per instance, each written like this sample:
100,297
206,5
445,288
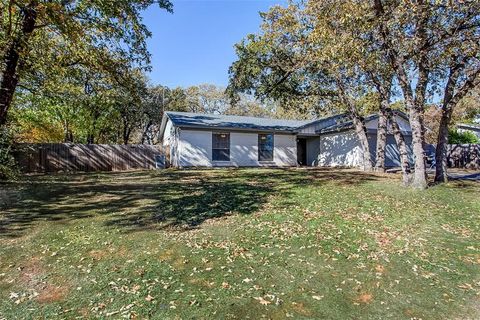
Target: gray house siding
170,143
392,155
340,149
195,149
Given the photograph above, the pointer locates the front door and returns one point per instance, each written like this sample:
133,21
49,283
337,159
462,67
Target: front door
302,151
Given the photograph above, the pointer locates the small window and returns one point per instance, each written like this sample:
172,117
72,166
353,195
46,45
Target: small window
221,146
265,147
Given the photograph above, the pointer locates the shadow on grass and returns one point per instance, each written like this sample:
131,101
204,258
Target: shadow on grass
155,200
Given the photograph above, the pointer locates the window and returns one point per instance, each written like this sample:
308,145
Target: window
265,147
221,146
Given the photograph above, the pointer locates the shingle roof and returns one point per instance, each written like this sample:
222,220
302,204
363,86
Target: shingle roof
469,126
198,120
339,122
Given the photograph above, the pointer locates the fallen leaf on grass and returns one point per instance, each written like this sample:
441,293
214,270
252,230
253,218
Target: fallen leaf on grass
379,268
193,302
135,288
466,286
262,301
149,298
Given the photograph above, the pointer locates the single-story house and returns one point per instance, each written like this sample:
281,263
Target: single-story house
209,140
473,128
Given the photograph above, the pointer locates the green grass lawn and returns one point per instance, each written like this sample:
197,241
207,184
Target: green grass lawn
253,243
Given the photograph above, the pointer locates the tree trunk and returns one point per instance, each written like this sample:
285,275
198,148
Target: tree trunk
415,108
145,133
68,134
402,149
95,114
68,137
383,85
441,149
11,59
359,126
126,129
361,131
450,100
126,135
415,104
420,179
381,137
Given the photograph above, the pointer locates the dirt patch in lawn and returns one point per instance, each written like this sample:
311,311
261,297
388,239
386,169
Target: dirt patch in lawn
50,293
166,255
32,271
364,298
172,257
300,308
34,277
98,254
202,283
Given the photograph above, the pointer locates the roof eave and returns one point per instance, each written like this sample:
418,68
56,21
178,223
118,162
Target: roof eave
211,127
468,126
334,130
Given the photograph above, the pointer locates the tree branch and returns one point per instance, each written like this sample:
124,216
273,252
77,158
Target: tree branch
472,81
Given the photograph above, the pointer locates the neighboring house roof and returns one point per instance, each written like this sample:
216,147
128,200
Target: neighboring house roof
472,127
334,123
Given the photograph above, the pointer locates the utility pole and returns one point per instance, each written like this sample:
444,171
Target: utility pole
163,100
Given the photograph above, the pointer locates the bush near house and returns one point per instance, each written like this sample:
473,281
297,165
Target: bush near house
466,137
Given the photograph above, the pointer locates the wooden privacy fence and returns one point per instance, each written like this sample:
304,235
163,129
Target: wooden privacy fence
463,156
54,157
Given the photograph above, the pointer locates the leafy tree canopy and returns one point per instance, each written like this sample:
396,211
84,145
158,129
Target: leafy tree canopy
44,39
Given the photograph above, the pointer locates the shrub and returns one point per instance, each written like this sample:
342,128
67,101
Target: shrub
8,165
456,137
